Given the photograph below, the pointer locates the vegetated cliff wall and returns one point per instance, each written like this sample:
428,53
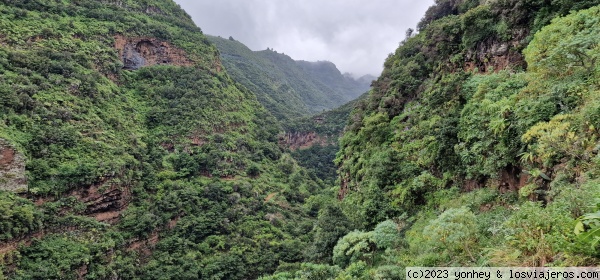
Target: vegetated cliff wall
12,168
454,102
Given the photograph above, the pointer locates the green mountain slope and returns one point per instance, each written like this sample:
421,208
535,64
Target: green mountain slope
477,146
288,88
128,152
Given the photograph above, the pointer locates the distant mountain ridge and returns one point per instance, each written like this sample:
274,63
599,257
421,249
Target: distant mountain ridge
286,87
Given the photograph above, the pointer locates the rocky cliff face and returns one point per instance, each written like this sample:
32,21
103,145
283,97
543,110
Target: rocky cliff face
494,55
303,140
146,51
12,169
104,203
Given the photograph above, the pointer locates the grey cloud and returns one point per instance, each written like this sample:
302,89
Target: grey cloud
356,35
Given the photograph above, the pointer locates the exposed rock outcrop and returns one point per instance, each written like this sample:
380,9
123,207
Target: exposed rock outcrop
139,52
302,140
12,169
494,56
104,203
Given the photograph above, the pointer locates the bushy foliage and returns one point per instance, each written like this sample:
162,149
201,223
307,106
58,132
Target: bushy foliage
566,48
19,216
488,125
331,225
352,247
455,229
588,228
386,235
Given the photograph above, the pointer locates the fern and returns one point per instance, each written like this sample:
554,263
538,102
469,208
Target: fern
588,228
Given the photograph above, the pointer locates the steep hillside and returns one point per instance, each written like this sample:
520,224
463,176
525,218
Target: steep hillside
477,146
128,153
288,88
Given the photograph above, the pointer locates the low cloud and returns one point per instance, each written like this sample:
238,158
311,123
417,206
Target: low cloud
356,35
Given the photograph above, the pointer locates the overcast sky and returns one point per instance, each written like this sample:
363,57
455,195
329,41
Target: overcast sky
356,35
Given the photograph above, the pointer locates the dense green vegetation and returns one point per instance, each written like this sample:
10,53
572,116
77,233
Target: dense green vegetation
477,146
287,88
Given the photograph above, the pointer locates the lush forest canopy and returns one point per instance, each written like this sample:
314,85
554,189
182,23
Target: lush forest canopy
477,146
